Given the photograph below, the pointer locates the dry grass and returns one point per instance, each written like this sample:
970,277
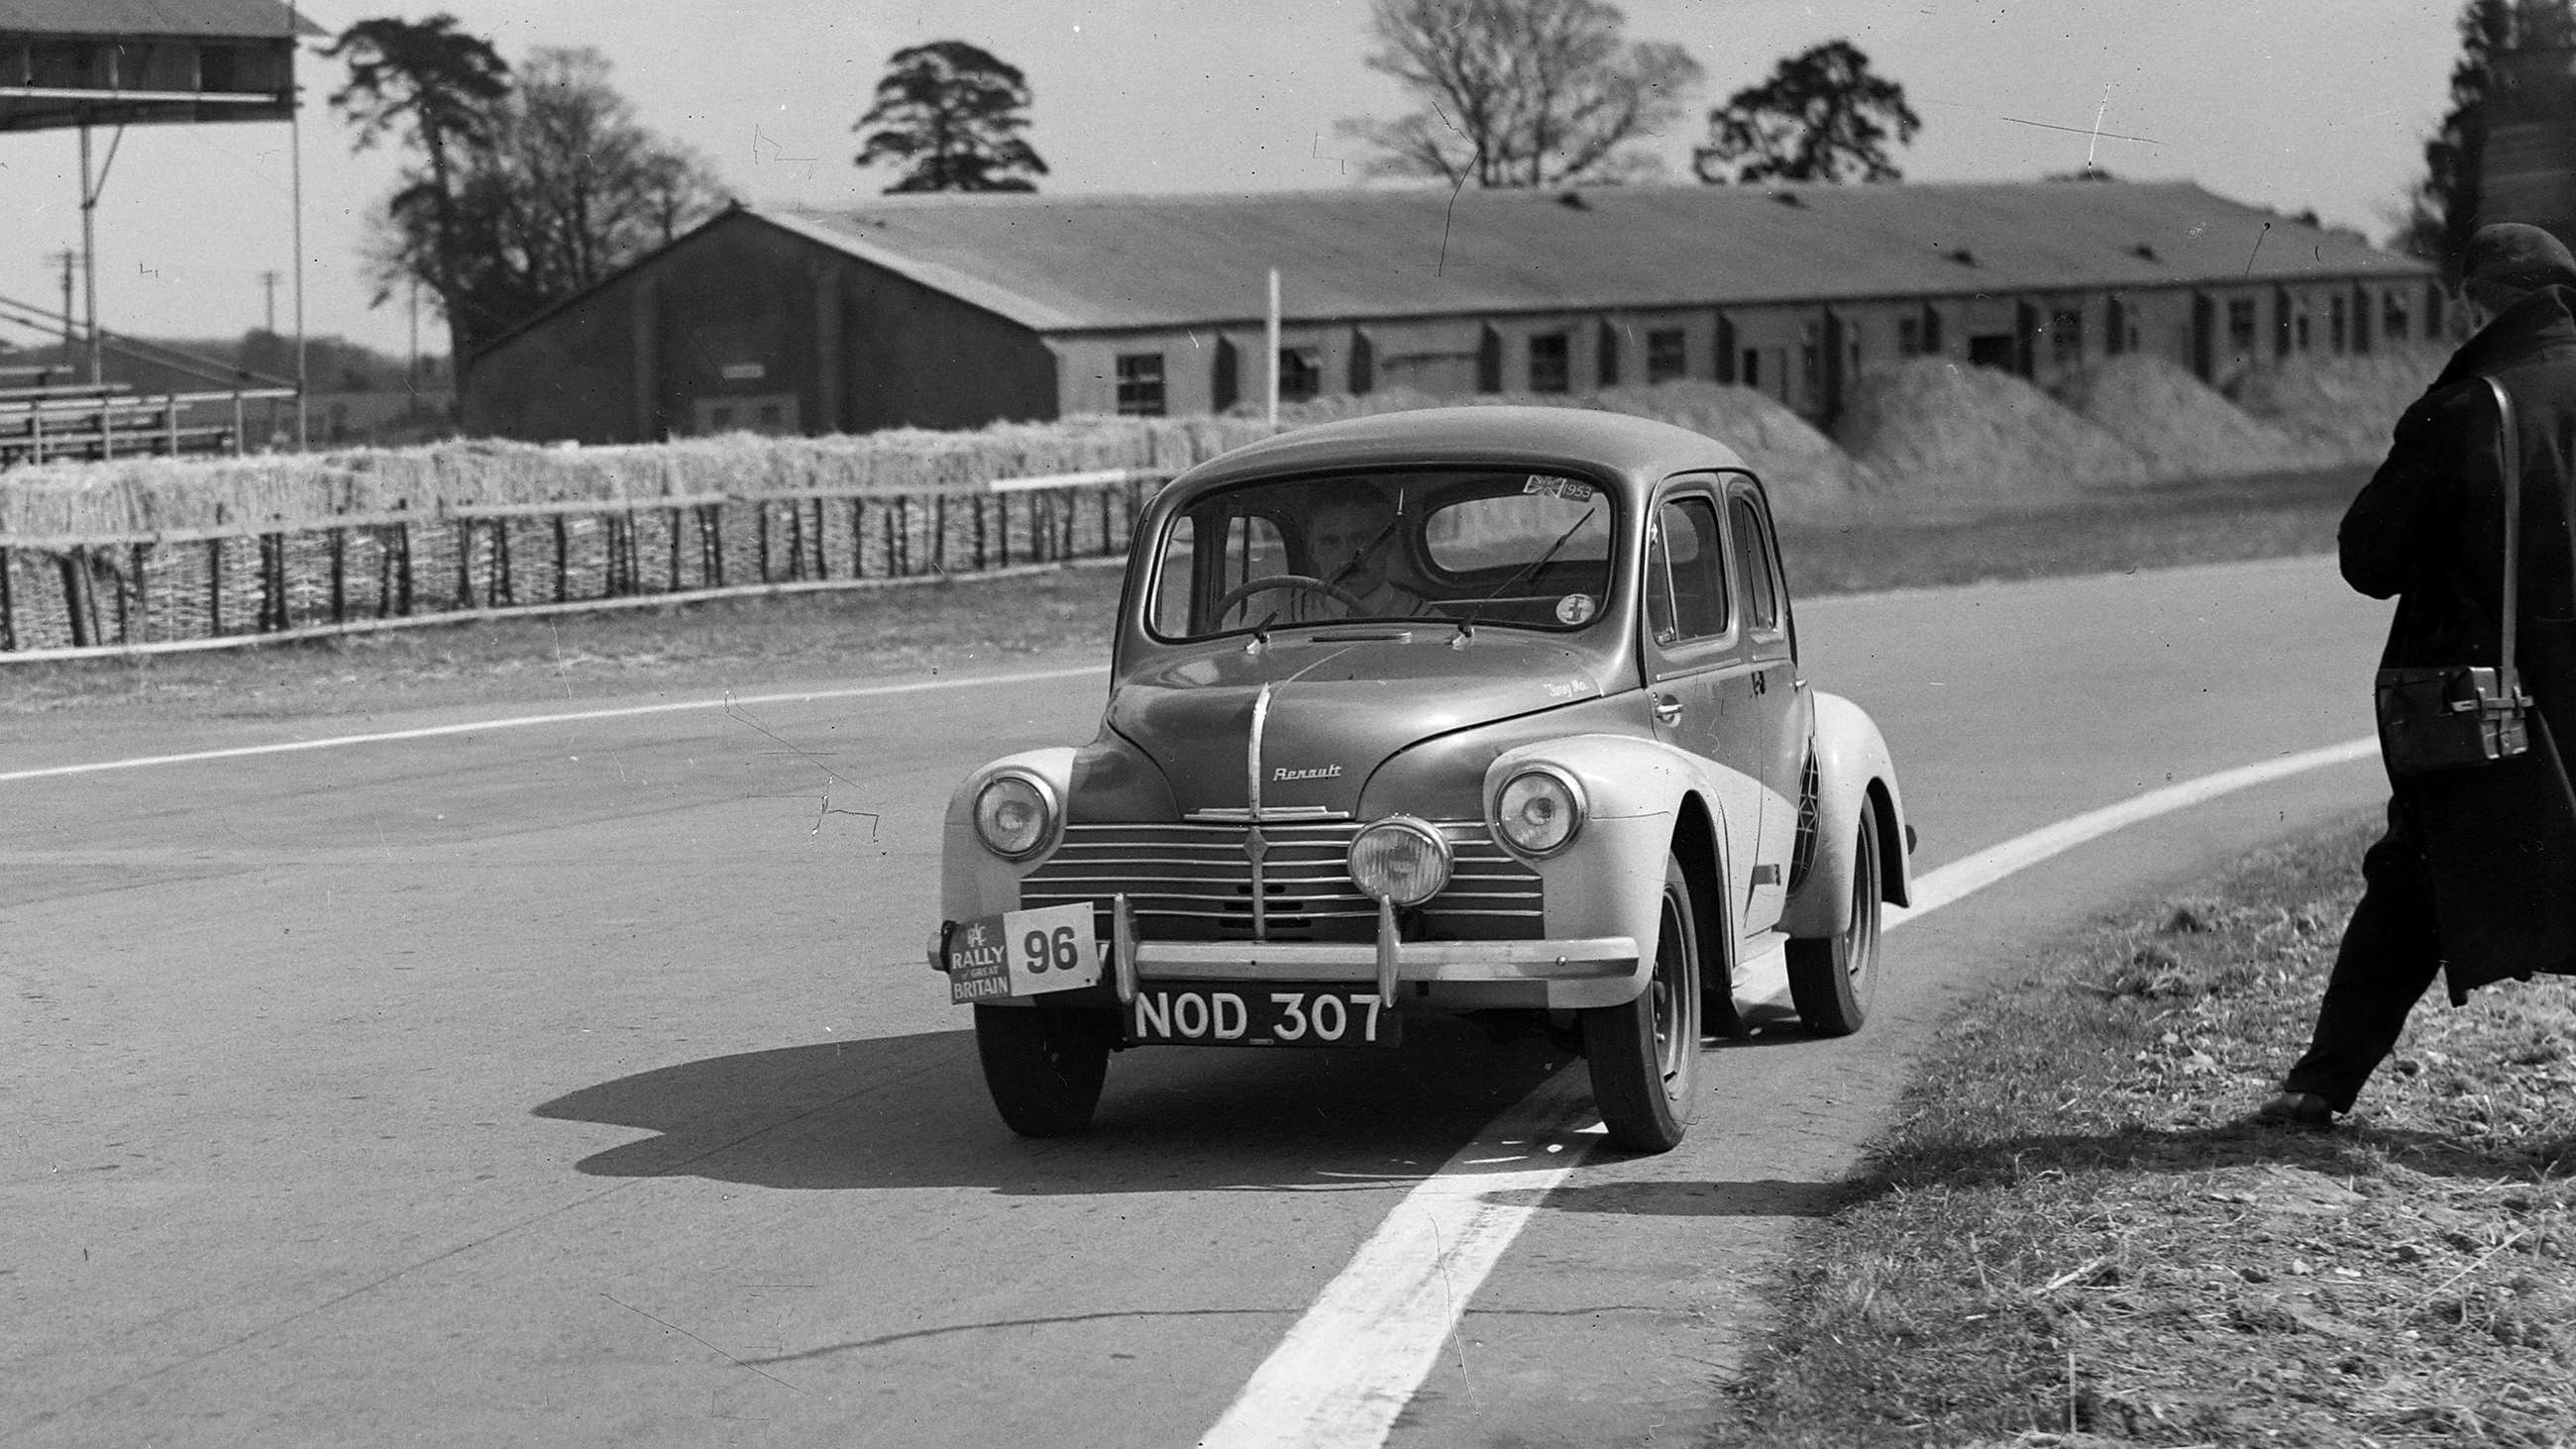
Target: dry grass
2075,1234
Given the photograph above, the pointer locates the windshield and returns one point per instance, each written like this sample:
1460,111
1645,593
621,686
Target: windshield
1508,548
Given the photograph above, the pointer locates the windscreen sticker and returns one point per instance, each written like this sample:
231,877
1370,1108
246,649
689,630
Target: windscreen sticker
1565,488
1574,608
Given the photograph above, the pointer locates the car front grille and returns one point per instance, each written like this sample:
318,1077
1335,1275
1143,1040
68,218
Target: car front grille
1193,882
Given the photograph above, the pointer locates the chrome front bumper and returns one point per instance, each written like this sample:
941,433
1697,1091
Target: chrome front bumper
1559,975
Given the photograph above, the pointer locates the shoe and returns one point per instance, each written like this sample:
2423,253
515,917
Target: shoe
2297,1109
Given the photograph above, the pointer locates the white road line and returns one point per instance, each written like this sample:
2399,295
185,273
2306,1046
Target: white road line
530,721
1349,1366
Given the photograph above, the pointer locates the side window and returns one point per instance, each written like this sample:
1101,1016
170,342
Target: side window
1760,570
1696,556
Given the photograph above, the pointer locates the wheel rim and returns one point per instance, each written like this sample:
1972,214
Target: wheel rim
1860,944
1664,992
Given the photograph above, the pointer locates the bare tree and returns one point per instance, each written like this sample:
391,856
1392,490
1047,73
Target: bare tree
1822,116
1520,92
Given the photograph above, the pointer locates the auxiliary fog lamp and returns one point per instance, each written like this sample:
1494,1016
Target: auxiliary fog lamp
1400,860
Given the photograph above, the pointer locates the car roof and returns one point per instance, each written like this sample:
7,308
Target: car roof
1641,450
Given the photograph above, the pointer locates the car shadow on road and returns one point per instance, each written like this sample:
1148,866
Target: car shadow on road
911,1111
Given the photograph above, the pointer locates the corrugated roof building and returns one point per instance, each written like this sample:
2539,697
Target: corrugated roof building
956,311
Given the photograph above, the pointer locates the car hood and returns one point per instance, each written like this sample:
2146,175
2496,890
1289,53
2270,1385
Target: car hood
1337,709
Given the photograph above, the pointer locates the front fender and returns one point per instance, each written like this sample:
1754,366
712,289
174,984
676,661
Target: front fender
1639,791
1855,780
974,881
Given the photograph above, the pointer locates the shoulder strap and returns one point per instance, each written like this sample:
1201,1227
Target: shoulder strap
2509,468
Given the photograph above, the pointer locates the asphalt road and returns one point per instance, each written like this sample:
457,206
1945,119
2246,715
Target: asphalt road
583,1084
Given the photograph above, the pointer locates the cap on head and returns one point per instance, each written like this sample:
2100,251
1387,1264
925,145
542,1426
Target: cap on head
2518,256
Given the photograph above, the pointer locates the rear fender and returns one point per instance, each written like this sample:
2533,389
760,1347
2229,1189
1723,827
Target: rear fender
1855,781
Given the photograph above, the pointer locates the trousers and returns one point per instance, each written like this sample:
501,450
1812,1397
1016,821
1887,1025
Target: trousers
2390,953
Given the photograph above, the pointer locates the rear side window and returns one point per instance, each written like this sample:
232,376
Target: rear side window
1754,560
1696,604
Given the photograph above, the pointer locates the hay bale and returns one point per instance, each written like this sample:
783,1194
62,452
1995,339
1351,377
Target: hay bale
2342,405
1942,432
2180,425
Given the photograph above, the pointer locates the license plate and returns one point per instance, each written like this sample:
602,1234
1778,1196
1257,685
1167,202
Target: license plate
1266,1014
1022,953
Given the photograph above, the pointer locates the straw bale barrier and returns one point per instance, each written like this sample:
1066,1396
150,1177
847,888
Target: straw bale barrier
159,550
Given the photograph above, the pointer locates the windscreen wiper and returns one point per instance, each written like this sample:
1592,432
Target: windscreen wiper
1467,624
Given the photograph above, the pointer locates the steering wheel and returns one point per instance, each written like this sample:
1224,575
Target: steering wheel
1305,582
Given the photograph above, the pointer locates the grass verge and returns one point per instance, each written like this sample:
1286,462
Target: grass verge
990,622
2074,1235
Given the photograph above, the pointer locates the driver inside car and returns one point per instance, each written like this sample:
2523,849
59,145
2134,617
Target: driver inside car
1348,540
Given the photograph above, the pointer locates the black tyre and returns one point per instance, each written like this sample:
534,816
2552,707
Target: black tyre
1043,1065
1645,1054
1831,978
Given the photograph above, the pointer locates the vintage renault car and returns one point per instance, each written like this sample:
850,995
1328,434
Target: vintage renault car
1466,710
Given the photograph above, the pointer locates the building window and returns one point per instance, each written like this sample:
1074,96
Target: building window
1301,373
2392,315
1605,367
1140,384
2115,327
2066,335
1909,336
1752,369
1489,362
1548,370
2338,334
1667,354
1811,367
1363,364
2299,329
2240,324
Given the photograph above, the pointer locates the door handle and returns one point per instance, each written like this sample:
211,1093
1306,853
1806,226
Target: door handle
1668,709
1762,680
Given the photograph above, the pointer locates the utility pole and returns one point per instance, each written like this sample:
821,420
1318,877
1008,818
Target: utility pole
268,279
71,330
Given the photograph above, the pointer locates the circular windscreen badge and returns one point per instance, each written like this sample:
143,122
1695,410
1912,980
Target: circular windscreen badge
1574,609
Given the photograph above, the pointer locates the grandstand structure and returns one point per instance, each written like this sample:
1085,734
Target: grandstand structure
101,66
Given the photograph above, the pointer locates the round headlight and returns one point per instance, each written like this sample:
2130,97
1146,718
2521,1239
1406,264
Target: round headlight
1539,811
1013,815
1400,859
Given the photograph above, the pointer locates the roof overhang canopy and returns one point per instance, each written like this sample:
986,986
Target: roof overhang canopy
66,63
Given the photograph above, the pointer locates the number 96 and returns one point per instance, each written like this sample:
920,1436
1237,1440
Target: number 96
1040,951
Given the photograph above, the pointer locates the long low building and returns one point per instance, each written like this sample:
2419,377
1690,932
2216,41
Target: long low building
953,312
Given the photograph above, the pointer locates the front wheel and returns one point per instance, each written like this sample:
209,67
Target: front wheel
1044,1065
1832,978
1644,1054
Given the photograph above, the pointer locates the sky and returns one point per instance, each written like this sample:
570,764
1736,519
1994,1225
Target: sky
2294,104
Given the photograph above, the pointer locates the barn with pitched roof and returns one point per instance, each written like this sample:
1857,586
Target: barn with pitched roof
952,312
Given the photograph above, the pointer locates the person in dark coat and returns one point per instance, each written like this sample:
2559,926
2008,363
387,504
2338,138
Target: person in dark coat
2476,875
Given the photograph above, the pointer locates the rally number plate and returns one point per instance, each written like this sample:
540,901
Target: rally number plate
1022,953
1262,1014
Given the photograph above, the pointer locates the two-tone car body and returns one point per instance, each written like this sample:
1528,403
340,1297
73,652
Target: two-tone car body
1482,709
